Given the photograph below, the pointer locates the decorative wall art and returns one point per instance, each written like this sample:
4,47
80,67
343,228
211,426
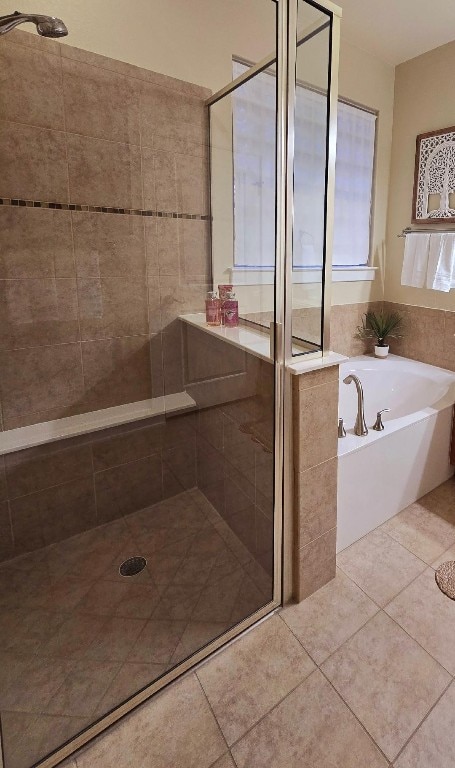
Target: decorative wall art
434,179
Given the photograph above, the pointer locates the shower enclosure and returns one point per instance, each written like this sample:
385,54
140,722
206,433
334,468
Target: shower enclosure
143,451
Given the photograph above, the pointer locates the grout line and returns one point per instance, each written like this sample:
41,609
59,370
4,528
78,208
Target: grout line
423,719
213,714
354,715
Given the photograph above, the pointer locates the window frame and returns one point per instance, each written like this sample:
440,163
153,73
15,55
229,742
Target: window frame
253,275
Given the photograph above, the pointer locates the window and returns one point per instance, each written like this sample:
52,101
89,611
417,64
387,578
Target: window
254,177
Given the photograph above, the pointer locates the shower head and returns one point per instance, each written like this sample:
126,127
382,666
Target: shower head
46,26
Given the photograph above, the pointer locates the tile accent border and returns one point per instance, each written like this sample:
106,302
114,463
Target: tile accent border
16,202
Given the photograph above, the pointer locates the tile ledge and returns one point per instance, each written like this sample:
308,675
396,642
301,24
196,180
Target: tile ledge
314,364
71,426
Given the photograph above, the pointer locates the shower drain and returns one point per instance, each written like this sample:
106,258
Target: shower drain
132,566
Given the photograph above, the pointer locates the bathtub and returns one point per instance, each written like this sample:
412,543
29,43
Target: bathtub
383,472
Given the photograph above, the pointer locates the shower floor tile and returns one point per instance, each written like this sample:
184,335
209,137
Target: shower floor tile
79,639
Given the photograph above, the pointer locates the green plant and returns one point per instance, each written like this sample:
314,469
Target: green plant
380,326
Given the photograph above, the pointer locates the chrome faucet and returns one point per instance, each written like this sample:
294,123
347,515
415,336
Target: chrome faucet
360,428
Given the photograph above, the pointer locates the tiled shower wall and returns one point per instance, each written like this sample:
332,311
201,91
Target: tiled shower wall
50,493
89,300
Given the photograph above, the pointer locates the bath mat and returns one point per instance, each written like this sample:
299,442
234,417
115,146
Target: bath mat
445,578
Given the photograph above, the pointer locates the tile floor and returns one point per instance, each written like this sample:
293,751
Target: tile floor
78,639
359,675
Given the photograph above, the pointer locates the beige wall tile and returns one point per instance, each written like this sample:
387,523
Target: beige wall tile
38,312
111,450
108,245
104,173
311,726
196,743
38,468
316,413
39,99
448,351
251,676
100,103
168,113
116,371
192,180
33,162
316,378
112,307
127,488
20,37
163,248
37,379
315,565
12,422
35,243
6,535
423,333
388,681
194,240
129,70
316,500
159,180
345,318
53,514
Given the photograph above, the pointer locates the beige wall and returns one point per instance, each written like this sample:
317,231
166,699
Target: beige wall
424,101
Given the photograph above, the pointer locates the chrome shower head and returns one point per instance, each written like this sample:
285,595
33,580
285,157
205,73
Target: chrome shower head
46,26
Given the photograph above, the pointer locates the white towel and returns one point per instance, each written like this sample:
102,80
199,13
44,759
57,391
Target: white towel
441,262
415,260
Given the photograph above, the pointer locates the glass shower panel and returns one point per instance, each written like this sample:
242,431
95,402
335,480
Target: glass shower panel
310,176
137,441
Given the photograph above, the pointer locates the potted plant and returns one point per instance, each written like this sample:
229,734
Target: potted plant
380,326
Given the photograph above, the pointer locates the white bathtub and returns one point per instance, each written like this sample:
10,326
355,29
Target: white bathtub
380,474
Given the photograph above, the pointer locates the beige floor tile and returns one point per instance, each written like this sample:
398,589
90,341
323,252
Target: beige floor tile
245,681
448,554
330,616
422,531
388,681
131,679
115,639
174,729
433,745
84,686
311,728
380,566
224,762
428,616
28,738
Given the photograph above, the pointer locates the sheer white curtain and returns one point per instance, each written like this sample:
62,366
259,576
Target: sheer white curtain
353,185
254,170
254,177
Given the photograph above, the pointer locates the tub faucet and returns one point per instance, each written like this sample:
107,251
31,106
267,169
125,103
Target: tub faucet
360,428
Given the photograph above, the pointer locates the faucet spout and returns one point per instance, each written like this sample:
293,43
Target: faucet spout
360,428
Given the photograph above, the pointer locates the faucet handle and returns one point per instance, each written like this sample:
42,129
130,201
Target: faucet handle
341,429
378,425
